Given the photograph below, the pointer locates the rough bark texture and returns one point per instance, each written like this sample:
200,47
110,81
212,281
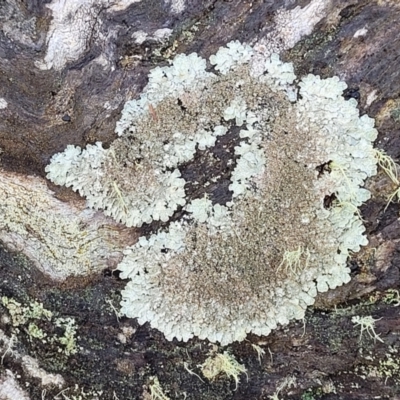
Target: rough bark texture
79,101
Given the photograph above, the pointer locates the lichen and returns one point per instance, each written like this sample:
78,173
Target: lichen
68,339
156,391
257,260
35,320
61,239
223,363
71,26
389,166
367,324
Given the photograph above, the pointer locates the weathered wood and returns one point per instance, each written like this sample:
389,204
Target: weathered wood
74,96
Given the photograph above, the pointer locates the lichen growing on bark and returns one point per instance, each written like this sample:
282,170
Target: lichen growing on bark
302,157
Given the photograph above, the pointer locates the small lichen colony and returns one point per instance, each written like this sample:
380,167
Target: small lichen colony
290,214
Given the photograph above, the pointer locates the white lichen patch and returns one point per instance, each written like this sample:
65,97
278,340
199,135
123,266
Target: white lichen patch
280,241
233,54
300,157
185,73
110,179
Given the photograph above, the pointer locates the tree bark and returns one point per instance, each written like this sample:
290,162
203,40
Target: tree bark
67,68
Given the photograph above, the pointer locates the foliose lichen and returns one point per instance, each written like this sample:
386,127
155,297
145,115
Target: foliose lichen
257,260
